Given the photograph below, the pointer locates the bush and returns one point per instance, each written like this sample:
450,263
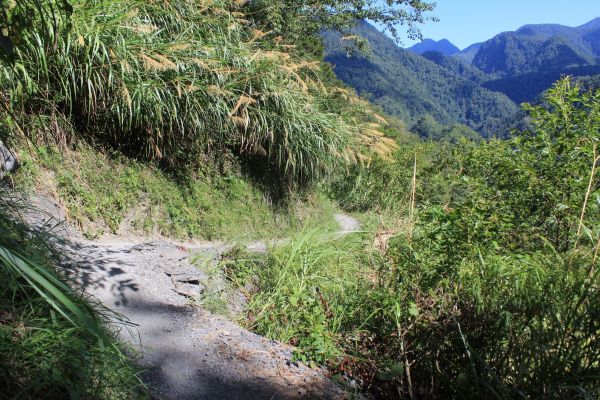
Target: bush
492,292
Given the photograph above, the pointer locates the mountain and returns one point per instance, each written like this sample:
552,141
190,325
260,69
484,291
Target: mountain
537,48
443,46
469,53
478,86
410,86
523,63
514,53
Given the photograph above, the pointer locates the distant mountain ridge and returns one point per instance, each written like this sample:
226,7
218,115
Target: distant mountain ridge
443,46
410,86
523,63
478,86
540,48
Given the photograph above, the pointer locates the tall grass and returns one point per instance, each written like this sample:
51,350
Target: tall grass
176,80
305,291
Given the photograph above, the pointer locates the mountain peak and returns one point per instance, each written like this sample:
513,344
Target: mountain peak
443,46
591,25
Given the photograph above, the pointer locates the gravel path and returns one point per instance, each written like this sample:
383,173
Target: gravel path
186,352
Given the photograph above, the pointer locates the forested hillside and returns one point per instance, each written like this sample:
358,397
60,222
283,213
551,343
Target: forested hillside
520,65
524,63
469,271
536,48
410,86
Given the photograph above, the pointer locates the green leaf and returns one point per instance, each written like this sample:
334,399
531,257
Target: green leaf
413,310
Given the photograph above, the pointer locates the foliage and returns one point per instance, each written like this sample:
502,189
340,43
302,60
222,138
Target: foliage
538,48
489,290
385,186
296,20
506,273
429,129
528,61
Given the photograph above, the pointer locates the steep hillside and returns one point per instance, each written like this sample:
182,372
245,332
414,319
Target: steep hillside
443,46
524,63
469,53
543,47
457,66
527,87
409,86
514,53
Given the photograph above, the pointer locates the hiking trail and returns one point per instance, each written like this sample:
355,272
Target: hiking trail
185,351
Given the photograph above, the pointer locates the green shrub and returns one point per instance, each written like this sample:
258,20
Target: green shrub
491,291
503,278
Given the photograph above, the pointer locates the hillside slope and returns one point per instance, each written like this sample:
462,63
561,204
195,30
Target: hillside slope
408,86
443,46
524,63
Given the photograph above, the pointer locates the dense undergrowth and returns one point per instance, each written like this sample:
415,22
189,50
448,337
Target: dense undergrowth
112,194
486,286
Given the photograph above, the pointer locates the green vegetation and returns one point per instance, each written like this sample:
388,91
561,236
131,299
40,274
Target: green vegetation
429,129
486,289
443,46
300,20
52,344
409,86
113,194
475,276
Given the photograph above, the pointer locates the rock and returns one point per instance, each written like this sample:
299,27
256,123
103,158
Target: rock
188,290
193,279
8,161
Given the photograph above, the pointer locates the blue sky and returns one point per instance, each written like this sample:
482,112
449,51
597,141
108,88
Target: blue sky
465,22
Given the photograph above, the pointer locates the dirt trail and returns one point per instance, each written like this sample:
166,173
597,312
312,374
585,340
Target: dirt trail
186,352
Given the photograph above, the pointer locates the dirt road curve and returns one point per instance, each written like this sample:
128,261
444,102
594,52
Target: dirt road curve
188,353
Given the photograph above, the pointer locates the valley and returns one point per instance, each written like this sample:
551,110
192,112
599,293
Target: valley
480,87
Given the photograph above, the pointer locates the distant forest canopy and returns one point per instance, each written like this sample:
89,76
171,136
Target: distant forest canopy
480,87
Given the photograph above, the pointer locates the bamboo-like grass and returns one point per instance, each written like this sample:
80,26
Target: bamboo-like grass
176,79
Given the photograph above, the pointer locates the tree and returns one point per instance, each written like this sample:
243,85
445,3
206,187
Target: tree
298,19
428,128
